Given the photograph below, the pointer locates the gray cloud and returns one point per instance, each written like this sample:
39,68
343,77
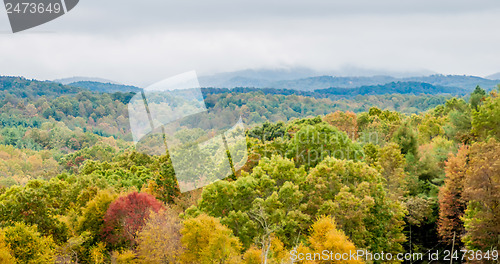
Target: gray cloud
140,42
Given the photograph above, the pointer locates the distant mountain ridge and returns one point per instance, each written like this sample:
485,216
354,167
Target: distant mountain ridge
394,88
415,88
411,87
272,77
433,84
21,87
105,87
306,79
83,79
495,76
324,82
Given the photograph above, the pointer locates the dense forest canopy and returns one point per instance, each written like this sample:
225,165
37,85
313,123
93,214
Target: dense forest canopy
411,170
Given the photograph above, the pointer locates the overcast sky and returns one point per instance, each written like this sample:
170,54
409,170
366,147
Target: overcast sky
140,42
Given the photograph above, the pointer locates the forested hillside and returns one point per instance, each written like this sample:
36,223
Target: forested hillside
391,172
105,87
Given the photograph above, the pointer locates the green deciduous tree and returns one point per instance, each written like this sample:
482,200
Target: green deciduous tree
458,124
486,121
406,138
313,143
356,195
90,224
392,164
37,203
261,204
166,188
476,97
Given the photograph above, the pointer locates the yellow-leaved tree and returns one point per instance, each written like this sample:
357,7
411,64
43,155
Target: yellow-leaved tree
159,241
326,237
5,252
275,253
206,241
27,245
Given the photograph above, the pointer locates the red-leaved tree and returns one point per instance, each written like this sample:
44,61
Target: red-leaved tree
126,216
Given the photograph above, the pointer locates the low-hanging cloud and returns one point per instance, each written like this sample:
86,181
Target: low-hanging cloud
139,42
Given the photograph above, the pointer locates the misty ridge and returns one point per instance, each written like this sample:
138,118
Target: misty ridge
307,82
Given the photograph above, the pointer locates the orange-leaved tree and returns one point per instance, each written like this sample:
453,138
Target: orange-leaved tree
451,202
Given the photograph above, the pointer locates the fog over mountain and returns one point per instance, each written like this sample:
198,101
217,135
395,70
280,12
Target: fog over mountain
305,79
139,45
273,77
308,80
83,79
495,76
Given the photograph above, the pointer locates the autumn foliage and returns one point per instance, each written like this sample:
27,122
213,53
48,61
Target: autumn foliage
482,191
451,203
206,240
159,239
125,217
344,121
326,236
74,190
470,197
